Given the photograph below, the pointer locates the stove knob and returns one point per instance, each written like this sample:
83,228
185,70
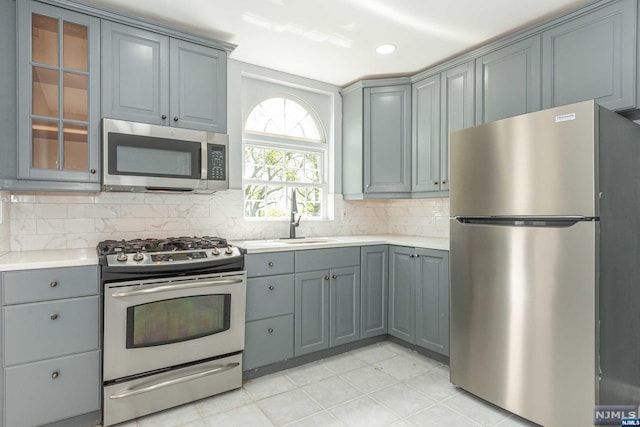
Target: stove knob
228,250
215,251
138,256
122,257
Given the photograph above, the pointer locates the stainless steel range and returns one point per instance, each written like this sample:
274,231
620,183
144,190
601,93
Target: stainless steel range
173,323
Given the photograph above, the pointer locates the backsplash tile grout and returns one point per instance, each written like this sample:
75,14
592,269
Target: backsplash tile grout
34,221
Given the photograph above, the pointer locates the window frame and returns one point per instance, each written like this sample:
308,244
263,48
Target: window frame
252,138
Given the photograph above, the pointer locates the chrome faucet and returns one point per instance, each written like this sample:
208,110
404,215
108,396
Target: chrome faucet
294,210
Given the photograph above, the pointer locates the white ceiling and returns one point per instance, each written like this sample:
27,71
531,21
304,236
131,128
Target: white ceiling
335,40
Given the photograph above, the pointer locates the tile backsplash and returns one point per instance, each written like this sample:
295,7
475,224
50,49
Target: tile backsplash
35,221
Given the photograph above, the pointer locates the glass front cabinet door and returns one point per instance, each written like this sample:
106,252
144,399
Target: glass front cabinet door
58,96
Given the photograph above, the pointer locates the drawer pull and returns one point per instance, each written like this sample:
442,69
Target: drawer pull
270,263
271,287
270,330
53,284
54,316
55,375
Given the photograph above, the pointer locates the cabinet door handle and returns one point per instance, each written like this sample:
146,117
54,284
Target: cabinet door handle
271,287
53,284
164,116
444,182
435,183
175,118
270,263
412,256
326,277
334,276
270,330
92,171
54,316
55,374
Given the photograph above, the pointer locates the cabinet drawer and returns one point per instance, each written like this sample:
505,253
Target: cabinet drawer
269,297
52,390
268,341
43,330
268,264
48,284
324,259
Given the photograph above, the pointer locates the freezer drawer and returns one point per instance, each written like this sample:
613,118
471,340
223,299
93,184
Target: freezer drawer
523,318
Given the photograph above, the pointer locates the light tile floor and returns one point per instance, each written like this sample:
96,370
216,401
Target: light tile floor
383,384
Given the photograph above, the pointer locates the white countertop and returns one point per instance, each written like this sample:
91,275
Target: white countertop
28,260
279,245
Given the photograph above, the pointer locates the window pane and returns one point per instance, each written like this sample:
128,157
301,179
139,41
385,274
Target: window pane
44,138
254,163
45,92
76,156
76,100
283,116
295,166
265,201
44,39
75,46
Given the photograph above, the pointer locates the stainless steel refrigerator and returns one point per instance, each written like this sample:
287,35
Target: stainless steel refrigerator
545,263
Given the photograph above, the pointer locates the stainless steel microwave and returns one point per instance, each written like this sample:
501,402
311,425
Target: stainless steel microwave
142,157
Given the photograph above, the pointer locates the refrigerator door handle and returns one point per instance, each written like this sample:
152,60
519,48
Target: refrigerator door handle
560,222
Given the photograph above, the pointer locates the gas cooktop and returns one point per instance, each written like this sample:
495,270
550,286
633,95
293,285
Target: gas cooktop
156,252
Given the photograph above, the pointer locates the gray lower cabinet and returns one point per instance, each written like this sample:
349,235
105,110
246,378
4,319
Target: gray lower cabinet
270,307
508,81
327,298
152,78
51,345
592,57
374,292
419,297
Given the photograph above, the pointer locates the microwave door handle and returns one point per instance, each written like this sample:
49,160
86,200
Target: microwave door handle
176,287
133,391
204,160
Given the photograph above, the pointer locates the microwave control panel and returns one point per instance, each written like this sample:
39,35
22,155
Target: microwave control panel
217,162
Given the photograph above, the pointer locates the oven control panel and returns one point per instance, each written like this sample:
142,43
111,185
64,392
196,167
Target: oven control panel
177,256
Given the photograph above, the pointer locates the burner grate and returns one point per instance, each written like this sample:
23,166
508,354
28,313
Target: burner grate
169,244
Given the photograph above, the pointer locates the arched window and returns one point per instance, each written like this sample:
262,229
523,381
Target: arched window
284,151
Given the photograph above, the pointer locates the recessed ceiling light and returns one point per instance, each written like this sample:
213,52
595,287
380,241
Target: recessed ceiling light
386,48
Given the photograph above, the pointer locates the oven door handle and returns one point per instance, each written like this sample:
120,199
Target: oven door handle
176,287
133,391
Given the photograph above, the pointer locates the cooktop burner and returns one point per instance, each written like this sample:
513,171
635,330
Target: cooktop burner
109,247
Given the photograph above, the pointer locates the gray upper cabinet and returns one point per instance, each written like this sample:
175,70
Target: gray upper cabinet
387,139
198,87
374,290
376,143
508,81
457,98
426,135
58,95
152,78
135,74
592,56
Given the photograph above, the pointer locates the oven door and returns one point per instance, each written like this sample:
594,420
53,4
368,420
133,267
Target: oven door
160,323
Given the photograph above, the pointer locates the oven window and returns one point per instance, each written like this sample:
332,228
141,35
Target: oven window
177,319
